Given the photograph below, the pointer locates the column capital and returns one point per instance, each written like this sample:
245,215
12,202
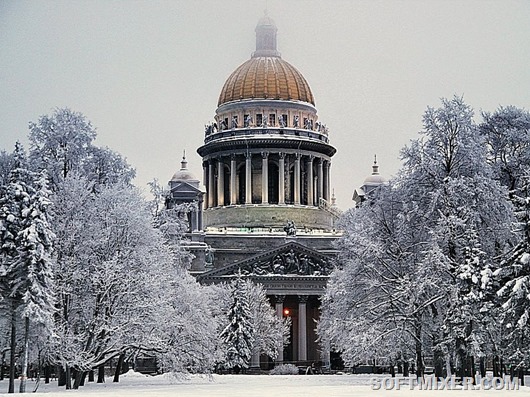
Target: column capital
281,155
233,156
303,298
310,158
279,298
264,155
298,156
248,155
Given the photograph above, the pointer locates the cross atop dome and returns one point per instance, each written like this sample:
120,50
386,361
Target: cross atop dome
184,162
375,167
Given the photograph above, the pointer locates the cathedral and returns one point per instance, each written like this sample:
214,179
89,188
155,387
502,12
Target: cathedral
265,207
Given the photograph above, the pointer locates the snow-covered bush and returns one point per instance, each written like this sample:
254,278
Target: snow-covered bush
284,369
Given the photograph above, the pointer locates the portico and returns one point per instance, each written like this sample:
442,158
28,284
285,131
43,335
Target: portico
294,277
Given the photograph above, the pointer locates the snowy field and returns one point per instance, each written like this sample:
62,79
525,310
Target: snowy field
134,384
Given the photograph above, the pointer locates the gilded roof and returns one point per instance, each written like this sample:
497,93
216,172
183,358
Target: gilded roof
264,77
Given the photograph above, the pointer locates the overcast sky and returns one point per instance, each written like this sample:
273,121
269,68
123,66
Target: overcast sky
148,73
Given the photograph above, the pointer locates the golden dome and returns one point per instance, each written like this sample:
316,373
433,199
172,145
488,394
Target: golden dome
266,78
266,75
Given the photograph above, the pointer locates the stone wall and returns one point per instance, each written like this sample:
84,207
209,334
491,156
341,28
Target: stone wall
268,216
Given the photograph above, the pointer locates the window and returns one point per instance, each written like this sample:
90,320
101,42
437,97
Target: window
272,120
259,119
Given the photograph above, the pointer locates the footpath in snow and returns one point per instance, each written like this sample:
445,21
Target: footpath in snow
135,384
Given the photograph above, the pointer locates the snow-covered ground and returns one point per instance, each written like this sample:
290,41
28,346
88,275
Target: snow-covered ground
135,384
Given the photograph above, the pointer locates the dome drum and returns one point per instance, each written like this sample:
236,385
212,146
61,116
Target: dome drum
268,217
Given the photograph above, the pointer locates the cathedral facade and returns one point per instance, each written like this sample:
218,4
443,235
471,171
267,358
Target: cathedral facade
265,208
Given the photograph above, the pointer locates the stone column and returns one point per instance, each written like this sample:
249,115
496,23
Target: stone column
320,181
233,187
281,179
265,178
297,178
248,178
211,183
310,181
199,213
220,183
326,180
302,327
193,221
279,313
206,182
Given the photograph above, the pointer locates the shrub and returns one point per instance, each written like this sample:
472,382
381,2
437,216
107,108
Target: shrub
284,369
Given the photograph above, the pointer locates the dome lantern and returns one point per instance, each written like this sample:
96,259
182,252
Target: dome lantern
266,42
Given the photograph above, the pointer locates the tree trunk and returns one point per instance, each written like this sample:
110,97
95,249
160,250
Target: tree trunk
79,379
62,377
91,376
2,367
101,373
496,372
472,369
12,358
83,378
406,369
25,357
118,368
448,371
482,365
47,373
68,377
419,353
438,360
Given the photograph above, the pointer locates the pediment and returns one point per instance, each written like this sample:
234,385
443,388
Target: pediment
184,187
290,259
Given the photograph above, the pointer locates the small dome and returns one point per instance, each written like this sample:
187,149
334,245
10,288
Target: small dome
375,179
266,21
183,174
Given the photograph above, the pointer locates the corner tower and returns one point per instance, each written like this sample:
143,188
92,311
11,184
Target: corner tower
267,157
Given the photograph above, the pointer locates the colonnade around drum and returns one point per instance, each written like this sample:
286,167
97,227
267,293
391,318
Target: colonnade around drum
265,177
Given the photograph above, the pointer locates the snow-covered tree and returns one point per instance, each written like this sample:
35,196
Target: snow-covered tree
60,142
270,331
404,252
7,163
26,246
112,266
377,304
63,143
239,334
507,132
190,339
